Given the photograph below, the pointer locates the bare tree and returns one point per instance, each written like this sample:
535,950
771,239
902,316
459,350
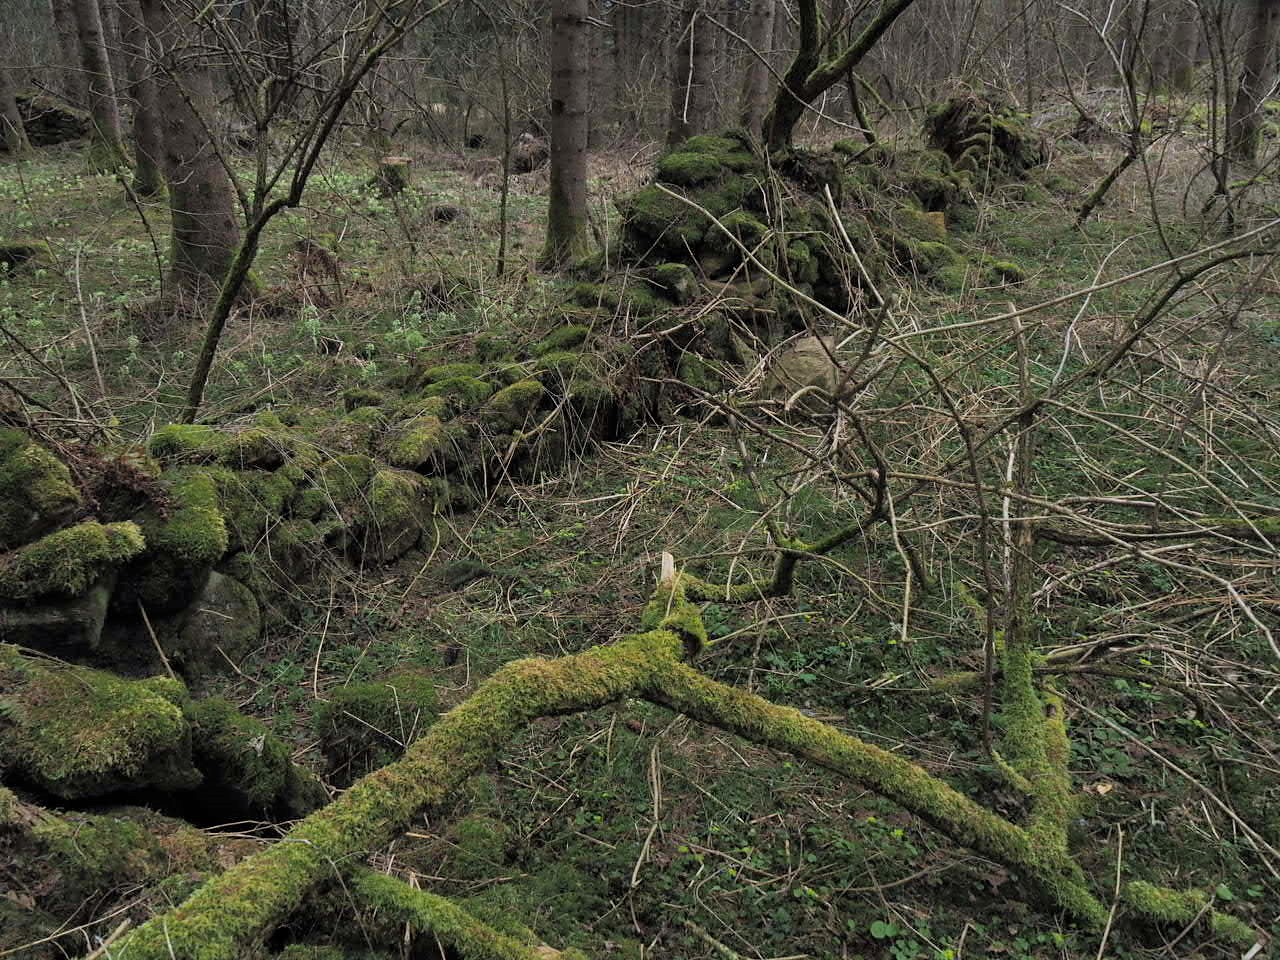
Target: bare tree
809,75
107,149
1245,118
567,224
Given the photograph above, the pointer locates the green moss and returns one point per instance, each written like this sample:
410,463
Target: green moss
1181,907
676,282
251,501
569,337
264,444
399,502
68,562
36,492
479,847
1003,271
238,752
659,226
426,442
463,392
510,408
688,168
183,544
364,726
932,258
630,296
451,371
76,732
356,397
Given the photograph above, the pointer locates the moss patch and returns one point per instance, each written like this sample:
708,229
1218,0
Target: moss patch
67,563
76,732
36,492
364,726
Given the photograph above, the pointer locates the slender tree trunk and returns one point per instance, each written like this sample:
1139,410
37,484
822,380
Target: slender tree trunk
206,228
1185,47
1244,120
755,85
691,95
15,136
106,149
140,89
70,75
567,224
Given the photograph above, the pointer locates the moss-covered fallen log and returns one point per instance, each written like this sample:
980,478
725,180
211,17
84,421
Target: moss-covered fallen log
229,914
243,905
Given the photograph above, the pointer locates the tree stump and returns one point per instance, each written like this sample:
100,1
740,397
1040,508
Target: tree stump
393,175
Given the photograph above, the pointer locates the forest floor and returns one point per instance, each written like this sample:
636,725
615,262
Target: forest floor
628,831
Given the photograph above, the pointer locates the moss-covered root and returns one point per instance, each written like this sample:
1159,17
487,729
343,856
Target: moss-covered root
240,907
454,928
1183,907
756,719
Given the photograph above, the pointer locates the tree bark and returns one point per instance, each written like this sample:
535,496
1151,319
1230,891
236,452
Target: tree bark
1245,118
70,75
755,86
691,95
15,135
140,88
206,228
567,224
106,149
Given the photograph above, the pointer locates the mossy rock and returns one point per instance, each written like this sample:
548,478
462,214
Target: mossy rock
689,169
364,726
68,562
629,295
806,365
183,543
569,337
399,508
675,281
74,732
36,492
223,624
247,769
66,629
427,444
512,407
251,501
462,393
266,443
985,137
29,253
356,397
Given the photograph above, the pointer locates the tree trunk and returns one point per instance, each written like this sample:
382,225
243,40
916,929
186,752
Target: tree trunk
70,80
15,136
140,89
206,228
567,223
1245,119
106,149
755,86
691,94
1184,53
